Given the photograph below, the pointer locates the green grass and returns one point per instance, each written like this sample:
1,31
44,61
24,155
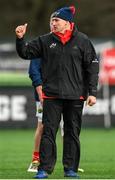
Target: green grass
14,79
97,154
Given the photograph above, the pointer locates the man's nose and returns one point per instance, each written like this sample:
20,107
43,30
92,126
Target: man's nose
53,23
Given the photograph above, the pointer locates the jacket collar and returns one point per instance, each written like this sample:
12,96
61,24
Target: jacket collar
75,31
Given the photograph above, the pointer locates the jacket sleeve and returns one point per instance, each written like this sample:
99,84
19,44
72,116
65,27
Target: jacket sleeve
35,72
91,68
28,50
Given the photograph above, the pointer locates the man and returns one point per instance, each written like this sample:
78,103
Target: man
35,76
70,75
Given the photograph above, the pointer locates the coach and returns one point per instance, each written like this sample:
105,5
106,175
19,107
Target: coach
70,76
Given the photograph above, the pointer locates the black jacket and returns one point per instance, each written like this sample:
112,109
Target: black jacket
69,71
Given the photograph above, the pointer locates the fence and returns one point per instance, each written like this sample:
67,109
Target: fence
17,109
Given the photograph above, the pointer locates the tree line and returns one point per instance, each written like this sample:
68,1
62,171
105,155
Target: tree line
95,18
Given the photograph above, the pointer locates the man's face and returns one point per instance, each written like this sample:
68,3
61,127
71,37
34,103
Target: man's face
58,25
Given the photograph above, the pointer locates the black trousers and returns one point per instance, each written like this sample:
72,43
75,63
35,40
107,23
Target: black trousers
72,113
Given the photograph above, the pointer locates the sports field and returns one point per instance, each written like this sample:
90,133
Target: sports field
97,147
14,79
97,154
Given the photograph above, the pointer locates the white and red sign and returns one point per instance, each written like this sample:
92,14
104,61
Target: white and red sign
107,67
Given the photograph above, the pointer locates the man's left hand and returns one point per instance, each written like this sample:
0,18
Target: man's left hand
91,100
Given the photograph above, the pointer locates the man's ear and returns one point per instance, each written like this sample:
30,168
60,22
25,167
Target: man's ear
67,23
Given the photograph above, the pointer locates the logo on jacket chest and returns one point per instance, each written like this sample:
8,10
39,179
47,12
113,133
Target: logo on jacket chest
53,45
75,47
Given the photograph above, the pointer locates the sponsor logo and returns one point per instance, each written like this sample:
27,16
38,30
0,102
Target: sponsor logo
13,108
53,45
75,47
95,61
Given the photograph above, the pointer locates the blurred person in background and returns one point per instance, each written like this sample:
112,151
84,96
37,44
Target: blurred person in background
35,76
70,76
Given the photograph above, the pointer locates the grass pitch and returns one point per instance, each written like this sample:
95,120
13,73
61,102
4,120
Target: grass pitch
14,79
97,154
